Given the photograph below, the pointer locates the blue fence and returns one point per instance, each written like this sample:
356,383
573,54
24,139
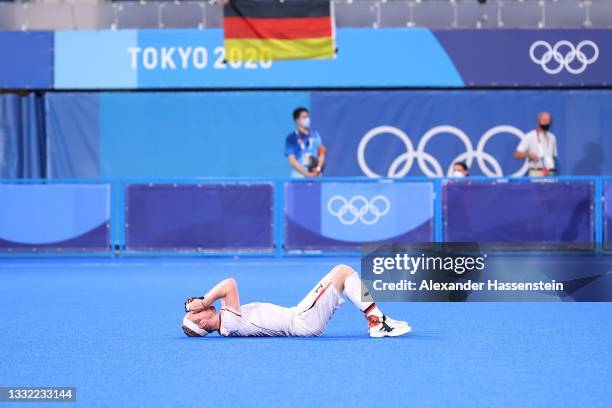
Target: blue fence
282,217
55,217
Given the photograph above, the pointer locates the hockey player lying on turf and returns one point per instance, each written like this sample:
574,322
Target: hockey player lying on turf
308,318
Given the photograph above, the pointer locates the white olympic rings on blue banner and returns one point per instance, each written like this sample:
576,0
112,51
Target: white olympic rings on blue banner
358,208
559,61
429,165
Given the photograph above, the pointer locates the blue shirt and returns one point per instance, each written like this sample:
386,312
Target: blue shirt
302,147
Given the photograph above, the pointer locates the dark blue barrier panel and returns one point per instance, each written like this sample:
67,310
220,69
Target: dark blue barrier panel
344,215
530,212
199,217
608,214
54,218
522,57
27,60
416,133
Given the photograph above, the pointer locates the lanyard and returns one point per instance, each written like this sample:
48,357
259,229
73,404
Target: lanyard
302,139
543,143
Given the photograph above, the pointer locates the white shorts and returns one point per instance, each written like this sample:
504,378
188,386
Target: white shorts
315,310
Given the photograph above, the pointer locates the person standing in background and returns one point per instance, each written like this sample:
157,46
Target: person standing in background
303,147
540,147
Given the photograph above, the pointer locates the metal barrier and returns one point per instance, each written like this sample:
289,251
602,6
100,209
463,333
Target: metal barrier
359,13
284,217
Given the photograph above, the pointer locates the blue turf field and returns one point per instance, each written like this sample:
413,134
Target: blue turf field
112,329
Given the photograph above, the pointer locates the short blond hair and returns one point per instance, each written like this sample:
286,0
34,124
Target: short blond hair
189,332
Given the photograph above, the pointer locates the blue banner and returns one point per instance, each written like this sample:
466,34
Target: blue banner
416,57
199,217
27,60
54,217
196,58
530,57
346,215
190,134
523,212
173,134
389,133
95,59
401,133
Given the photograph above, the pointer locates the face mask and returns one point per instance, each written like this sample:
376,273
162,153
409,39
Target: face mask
458,174
305,122
545,127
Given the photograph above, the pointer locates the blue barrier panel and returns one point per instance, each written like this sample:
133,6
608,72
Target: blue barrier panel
27,60
54,218
344,215
199,217
608,214
524,212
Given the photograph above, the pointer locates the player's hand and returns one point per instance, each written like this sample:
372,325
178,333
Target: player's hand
534,157
188,302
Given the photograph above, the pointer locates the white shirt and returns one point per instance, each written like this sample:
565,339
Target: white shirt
257,319
542,144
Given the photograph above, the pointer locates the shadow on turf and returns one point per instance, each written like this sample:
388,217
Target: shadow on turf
419,336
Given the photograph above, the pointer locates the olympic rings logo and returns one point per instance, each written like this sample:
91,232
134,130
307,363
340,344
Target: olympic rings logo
553,60
358,208
428,164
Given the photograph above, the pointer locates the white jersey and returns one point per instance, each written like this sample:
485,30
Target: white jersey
257,319
308,318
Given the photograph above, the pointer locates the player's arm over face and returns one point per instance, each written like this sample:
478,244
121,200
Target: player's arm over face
226,291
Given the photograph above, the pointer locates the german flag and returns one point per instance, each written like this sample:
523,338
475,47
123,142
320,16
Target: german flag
264,30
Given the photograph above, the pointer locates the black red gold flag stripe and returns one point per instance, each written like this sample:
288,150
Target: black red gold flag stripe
274,30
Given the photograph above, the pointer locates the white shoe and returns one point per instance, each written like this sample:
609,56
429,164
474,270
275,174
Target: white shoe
394,322
387,327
